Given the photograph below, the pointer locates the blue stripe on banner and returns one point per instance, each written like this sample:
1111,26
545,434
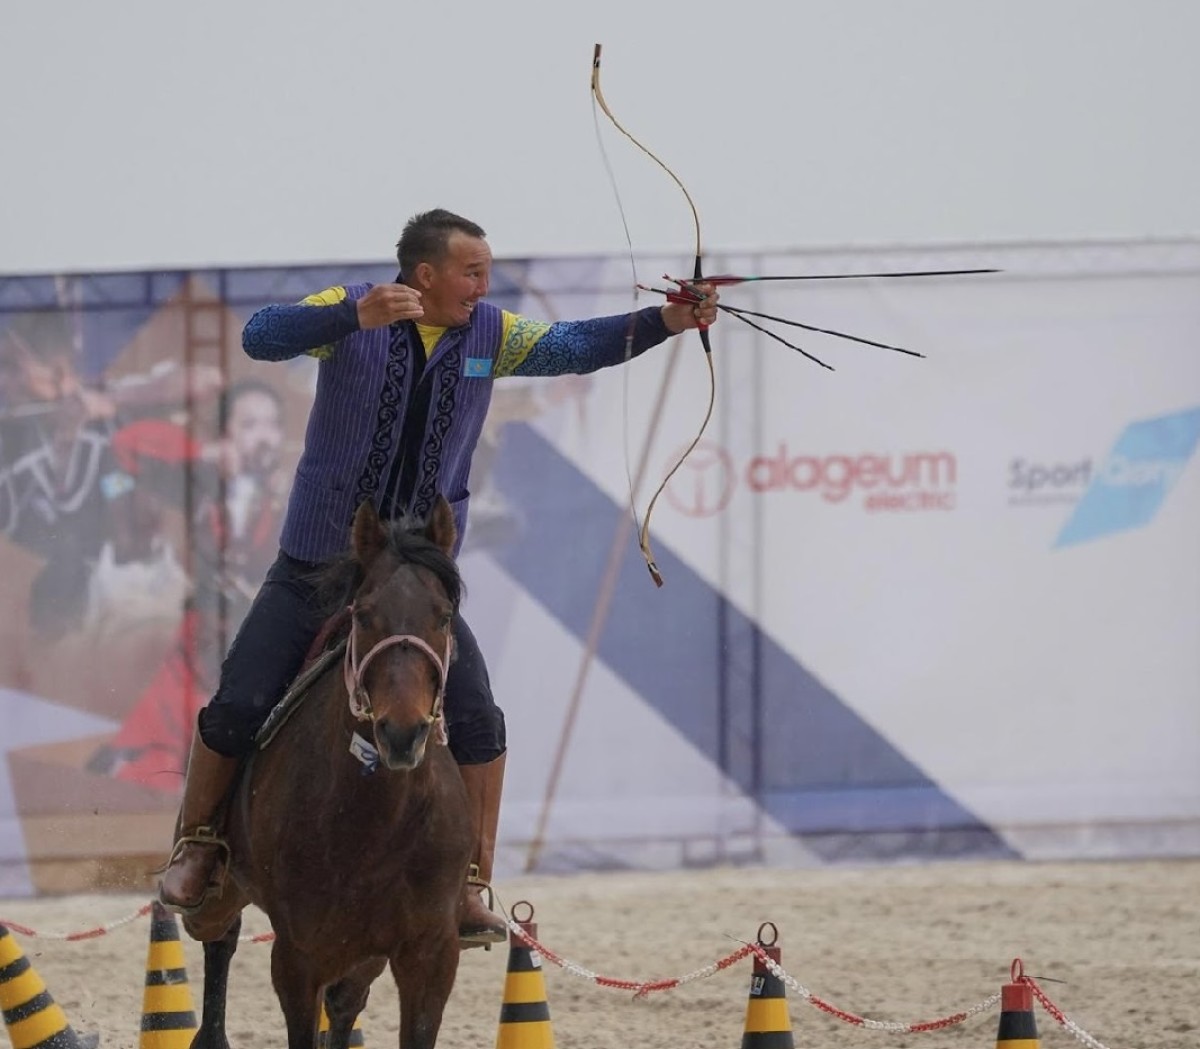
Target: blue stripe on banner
821,770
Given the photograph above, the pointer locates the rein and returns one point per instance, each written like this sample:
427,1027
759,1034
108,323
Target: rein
354,671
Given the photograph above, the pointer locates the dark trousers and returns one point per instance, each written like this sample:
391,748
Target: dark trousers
270,647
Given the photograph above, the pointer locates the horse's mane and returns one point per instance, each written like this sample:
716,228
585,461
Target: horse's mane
338,581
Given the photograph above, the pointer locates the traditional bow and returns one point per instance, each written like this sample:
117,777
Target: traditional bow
687,291
621,538
683,291
697,277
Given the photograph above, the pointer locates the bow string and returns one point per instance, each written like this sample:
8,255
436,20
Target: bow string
697,277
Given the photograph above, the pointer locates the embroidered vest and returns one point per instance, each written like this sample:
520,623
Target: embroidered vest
389,426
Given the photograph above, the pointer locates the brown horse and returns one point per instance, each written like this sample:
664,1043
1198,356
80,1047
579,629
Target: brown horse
356,868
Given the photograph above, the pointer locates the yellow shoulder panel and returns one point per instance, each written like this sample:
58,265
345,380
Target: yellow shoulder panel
519,336
328,297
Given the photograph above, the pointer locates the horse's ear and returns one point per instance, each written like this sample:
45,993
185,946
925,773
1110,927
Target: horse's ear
367,534
440,529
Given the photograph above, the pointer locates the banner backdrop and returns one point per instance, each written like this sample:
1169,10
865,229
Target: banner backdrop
914,607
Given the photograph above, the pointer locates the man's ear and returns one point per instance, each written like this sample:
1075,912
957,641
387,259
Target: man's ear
423,275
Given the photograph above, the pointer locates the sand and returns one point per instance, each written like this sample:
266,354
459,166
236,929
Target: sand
899,943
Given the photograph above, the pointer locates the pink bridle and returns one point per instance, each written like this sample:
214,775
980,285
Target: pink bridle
354,672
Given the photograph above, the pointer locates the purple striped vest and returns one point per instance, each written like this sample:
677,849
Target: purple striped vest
357,419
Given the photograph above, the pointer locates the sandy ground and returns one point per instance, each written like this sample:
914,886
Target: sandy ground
900,943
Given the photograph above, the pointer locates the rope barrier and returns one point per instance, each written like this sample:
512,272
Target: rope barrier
72,937
915,1027
261,937
104,930
641,988
644,988
1060,1017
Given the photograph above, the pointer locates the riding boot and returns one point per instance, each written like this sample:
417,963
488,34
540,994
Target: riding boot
193,868
478,925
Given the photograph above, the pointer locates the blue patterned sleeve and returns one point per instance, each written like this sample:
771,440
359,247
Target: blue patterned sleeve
579,347
279,333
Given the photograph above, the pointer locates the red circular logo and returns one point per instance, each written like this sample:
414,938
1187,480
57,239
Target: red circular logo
704,484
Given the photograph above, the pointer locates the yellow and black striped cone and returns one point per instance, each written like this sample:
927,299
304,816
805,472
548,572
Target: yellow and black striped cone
525,1013
1018,1028
168,1013
32,1017
767,1023
356,1032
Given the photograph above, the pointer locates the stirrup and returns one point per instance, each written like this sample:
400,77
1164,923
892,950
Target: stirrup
486,895
475,881
200,836
220,872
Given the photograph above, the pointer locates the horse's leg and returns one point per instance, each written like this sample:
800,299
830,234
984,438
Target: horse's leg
424,989
217,956
299,993
346,999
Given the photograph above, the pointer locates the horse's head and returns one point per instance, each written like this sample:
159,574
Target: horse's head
401,633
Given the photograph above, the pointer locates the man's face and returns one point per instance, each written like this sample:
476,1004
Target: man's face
451,287
255,430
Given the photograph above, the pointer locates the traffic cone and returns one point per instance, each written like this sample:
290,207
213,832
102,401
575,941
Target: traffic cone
767,1023
356,1032
32,1017
168,1014
1018,1028
525,1013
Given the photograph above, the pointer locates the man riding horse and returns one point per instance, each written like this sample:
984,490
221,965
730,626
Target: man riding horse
404,381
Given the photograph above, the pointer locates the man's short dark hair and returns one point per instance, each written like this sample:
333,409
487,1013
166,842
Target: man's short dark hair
425,237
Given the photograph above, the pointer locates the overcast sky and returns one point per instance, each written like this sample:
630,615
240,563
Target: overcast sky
142,134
